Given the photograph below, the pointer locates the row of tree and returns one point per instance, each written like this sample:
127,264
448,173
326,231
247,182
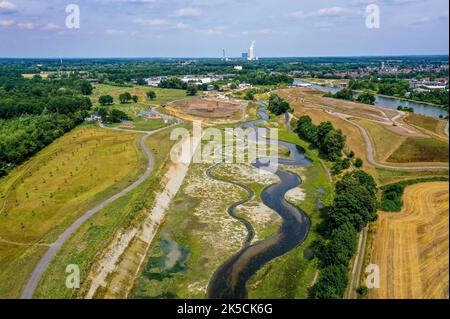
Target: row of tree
365,97
330,141
111,115
354,206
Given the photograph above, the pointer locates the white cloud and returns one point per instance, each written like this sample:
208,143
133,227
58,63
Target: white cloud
25,26
154,23
325,12
6,23
181,26
7,6
115,32
188,12
51,26
213,31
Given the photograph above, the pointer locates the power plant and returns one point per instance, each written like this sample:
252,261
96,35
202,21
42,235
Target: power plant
250,56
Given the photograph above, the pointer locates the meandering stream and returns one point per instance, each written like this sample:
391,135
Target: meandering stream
230,279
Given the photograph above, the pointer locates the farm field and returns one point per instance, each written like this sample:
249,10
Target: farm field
412,247
42,197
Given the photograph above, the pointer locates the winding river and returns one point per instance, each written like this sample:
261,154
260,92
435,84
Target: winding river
230,279
389,102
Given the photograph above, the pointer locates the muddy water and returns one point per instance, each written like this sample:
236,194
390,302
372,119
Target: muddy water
229,281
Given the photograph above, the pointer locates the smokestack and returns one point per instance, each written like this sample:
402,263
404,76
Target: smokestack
251,52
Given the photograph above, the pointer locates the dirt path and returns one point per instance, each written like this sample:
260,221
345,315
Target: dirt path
357,264
412,247
39,270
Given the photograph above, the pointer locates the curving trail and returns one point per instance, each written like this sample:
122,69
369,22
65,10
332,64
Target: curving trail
368,141
36,275
229,281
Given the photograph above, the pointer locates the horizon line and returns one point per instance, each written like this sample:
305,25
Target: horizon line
220,58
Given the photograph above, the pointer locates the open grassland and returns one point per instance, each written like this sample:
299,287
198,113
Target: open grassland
111,224
162,95
427,123
421,150
384,140
412,247
42,197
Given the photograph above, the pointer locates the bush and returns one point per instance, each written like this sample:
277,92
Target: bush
359,163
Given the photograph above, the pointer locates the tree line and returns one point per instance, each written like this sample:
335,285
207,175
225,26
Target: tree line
354,206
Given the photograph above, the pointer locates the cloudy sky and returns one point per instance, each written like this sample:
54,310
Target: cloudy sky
202,28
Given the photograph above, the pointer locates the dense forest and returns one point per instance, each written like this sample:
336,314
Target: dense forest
36,111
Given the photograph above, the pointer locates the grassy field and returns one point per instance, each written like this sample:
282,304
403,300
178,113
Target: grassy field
411,247
421,150
428,123
162,95
384,141
89,241
42,197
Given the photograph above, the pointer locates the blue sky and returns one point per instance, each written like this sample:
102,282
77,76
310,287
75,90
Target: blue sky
202,28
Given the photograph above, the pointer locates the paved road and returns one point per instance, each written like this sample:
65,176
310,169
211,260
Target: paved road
36,275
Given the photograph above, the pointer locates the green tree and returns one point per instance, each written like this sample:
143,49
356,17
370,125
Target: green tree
367,98
135,98
85,87
333,144
331,284
191,90
359,163
106,100
151,95
125,97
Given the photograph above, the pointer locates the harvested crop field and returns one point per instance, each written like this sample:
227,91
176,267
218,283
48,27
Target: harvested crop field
210,108
411,247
